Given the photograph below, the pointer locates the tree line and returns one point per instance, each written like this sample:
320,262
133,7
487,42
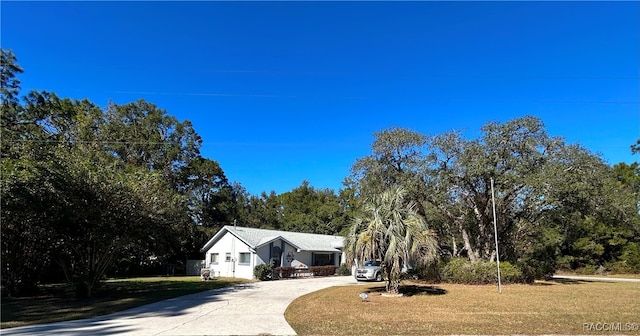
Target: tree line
558,206
90,192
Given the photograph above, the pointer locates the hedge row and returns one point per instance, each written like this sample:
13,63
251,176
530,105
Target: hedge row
285,271
322,270
288,271
462,271
459,270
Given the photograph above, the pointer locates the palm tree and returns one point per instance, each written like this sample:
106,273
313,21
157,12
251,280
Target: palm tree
392,231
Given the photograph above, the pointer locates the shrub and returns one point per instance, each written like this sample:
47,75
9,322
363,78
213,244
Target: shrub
344,270
630,258
263,271
462,271
285,271
512,274
565,263
323,270
531,272
430,273
587,270
542,261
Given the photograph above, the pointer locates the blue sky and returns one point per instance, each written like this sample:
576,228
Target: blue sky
287,91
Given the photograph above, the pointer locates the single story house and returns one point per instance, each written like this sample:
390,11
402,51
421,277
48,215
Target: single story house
234,251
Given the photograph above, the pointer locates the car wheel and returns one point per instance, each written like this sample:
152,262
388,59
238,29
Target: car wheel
378,277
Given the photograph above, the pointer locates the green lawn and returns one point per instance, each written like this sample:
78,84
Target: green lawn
56,302
553,307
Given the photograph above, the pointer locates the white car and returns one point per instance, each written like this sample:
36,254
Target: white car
370,271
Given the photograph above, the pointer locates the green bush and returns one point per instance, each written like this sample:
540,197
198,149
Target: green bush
512,274
322,270
430,273
263,271
630,258
462,271
565,263
542,261
344,270
531,271
587,270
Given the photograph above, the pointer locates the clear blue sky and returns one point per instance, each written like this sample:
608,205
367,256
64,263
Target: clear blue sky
287,91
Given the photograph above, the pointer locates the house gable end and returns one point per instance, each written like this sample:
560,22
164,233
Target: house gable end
221,234
272,239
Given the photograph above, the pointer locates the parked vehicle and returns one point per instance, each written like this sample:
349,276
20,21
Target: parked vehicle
370,271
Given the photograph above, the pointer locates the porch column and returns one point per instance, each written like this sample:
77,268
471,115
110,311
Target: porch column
281,253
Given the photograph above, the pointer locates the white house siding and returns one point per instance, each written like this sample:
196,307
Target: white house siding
226,242
230,244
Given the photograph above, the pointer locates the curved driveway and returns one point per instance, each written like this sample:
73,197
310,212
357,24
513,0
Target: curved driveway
248,309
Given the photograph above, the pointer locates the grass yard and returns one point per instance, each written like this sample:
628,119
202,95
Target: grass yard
56,303
552,307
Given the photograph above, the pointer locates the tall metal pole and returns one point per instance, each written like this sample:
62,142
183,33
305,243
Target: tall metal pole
233,251
495,234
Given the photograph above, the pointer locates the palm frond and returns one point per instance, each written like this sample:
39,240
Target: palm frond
392,231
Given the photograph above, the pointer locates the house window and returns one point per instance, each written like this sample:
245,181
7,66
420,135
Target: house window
244,258
213,258
323,259
227,258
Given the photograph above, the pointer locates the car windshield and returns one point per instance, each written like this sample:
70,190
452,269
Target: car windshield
371,263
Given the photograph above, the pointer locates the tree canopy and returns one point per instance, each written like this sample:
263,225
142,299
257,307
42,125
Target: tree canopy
557,204
94,191
83,186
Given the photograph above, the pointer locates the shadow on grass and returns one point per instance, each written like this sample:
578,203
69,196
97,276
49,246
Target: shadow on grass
411,290
541,283
569,281
552,282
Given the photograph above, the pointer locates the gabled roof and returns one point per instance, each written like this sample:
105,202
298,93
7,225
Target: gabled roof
255,238
266,240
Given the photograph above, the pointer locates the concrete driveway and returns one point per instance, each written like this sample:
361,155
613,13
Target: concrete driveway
249,309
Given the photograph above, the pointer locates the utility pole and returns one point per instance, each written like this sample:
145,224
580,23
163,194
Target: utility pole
495,234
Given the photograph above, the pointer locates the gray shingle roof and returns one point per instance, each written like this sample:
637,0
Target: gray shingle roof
303,241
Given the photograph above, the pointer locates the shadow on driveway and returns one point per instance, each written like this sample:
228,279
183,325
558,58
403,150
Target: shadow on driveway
105,325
